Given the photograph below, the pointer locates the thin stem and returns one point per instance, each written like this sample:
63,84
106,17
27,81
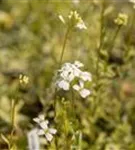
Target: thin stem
64,45
73,103
56,143
130,37
13,104
114,38
101,38
13,113
55,99
55,118
55,104
66,128
98,53
80,141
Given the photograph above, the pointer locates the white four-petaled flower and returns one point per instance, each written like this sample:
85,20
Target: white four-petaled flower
80,88
85,76
44,128
63,84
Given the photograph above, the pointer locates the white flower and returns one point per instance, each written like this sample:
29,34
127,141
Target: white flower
78,64
85,76
33,140
63,84
47,132
41,122
77,20
70,73
44,129
81,25
74,20
39,119
84,93
67,72
80,88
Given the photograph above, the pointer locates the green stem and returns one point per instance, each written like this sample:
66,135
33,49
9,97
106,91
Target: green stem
101,38
55,104
130,37
66,128
13,113
114,38
73,103
98,54
13,104
55,99
64,45
80,141
55,118
56,143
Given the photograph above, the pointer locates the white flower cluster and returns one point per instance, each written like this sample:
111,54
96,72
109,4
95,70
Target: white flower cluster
44,128
74,19
70,75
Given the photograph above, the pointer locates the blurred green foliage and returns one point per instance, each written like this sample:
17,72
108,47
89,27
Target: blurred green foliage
31,38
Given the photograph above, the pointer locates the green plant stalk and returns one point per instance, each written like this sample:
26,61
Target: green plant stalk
129,40
73,104
64,45
56,143
80,141
13,113
66,147
55,104
100,47
114,38
100,40
55,118
13,104
55,99
98,54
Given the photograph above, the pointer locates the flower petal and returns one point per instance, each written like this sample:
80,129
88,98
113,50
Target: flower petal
76,87
64,85
81,25
37,120
84,93
44,124
85,76
81,84
49,137
33,139
40,132
78,64
41,117
52,131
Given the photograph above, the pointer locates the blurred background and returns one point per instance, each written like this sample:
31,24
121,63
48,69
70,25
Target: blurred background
31,38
